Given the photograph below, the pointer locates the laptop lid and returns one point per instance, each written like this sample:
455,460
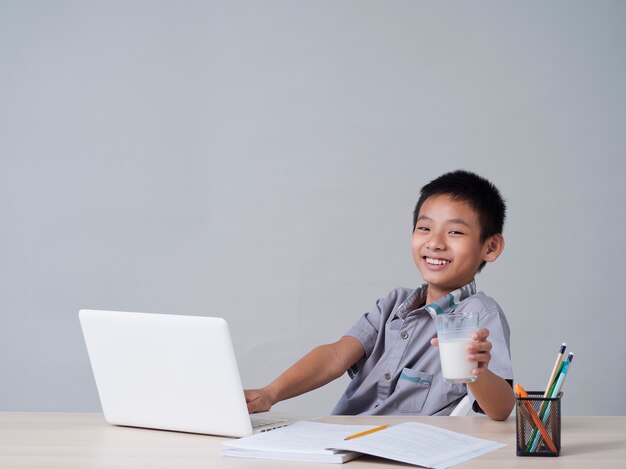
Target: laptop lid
165,371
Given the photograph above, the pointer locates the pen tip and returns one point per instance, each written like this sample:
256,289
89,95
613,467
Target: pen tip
570,357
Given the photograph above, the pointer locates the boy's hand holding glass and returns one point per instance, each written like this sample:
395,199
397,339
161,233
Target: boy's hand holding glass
480,350
463,359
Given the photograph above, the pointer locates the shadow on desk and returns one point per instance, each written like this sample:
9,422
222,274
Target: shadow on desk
590,448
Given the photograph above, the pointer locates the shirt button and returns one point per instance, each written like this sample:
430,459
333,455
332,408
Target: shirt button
404,335
387,376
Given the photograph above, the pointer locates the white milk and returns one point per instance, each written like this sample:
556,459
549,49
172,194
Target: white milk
455,366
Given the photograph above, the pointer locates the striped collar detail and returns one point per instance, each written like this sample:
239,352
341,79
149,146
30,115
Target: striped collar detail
449,302
445,304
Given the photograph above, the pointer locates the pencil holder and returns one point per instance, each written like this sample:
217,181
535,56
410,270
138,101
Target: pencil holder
538,422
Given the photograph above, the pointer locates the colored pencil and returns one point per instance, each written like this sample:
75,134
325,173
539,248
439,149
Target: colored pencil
556,389
555,369
535,418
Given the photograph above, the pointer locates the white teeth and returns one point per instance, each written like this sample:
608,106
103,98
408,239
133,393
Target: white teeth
436,261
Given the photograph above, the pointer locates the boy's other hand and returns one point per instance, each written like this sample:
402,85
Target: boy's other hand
479,350
258,400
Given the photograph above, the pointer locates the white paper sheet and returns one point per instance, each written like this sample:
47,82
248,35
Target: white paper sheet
421,444
298,441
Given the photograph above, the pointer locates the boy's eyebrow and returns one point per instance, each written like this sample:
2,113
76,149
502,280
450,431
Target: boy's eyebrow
456,221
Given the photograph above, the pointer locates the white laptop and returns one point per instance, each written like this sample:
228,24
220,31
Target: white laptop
168,372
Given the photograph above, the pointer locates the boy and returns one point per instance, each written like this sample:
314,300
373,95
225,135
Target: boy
390,353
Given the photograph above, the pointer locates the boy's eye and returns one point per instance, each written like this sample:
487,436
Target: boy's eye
422,228
456,233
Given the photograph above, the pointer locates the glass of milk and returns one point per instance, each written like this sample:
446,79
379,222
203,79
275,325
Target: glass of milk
454,331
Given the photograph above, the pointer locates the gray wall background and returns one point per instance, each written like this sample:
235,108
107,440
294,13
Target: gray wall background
260,161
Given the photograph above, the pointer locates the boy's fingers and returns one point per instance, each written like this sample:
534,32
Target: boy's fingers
482,358
250,395
481,334
254,401
255,406
253,409
480,347
261,404
434,342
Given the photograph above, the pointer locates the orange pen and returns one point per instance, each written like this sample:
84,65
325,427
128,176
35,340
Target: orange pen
521,392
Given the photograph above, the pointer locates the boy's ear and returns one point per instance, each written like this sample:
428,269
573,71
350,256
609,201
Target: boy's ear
493,247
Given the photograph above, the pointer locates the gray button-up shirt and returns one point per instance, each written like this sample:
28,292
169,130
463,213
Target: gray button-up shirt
401,371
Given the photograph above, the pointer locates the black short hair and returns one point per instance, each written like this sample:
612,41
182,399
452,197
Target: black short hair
478,192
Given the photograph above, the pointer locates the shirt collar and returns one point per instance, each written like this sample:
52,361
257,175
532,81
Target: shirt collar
445,304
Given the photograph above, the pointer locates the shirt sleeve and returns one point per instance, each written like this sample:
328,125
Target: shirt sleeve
366,329
492,318
499,336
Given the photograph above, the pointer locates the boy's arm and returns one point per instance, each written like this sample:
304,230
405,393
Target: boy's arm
317,368
493,393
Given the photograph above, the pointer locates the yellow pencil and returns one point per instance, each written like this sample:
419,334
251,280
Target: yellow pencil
559,357
366,432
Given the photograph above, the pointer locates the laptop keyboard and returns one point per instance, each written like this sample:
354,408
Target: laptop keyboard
258,421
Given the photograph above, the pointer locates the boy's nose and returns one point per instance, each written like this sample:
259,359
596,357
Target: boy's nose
435,243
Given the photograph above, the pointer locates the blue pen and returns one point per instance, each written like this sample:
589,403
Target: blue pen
555,393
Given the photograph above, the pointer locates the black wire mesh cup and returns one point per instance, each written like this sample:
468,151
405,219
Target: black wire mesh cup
530,440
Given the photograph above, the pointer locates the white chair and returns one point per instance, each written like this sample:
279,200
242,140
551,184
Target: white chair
463,408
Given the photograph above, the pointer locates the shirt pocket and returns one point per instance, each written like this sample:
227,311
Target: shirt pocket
411,390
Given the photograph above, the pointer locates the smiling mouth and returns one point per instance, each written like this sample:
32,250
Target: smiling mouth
431,261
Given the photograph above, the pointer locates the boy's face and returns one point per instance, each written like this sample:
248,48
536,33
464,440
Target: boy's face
446,244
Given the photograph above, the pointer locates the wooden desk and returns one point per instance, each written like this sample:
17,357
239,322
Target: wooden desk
73,440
